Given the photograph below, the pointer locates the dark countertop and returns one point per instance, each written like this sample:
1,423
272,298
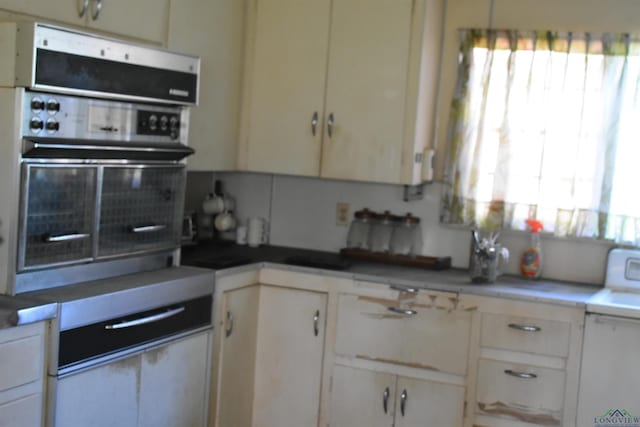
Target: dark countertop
226,254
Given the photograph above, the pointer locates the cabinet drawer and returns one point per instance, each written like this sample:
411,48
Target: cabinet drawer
537,336
25,412
436,337
21,361
521,392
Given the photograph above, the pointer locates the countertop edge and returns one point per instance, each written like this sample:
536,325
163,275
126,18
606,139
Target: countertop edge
500,290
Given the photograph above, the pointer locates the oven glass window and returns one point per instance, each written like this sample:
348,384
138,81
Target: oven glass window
141,209
57,224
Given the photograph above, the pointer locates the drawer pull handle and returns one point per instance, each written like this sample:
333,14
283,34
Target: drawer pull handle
316,317
403,401
314,123
146,320
330,122
403,289
525,328
524,375
403,311
385,399
229,329
50,238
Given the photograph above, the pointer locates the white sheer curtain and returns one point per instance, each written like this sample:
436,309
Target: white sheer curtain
546,125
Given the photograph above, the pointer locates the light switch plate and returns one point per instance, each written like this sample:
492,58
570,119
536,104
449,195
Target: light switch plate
342,213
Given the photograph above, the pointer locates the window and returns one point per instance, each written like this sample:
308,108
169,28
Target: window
546,125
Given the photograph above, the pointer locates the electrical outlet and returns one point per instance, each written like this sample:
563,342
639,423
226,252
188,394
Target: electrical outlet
342,213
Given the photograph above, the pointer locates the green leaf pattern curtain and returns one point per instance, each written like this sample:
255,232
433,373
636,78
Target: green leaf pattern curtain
546,125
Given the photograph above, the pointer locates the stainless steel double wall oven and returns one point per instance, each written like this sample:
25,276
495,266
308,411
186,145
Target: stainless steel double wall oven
94,180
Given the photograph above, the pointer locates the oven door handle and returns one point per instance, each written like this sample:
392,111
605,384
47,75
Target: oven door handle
145,320
147,228
55,238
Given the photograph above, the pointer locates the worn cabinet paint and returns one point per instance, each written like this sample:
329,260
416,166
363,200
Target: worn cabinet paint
165,385
269,364
173,383
358,398
287,79
429,403
238,338
328,93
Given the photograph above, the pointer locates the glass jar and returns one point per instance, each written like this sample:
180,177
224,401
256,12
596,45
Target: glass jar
381,231
358,237
407,236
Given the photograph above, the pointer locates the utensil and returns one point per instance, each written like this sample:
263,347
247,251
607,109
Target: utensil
487,258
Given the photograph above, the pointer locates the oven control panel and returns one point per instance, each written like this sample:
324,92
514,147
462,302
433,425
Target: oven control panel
64,116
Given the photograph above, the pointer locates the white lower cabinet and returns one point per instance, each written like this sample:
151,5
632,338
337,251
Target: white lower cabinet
22,356
164,386
271,349
609,380
366,398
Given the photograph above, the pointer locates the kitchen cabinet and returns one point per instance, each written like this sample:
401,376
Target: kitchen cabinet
368,398
142,19
22,371
401,358
271,353
328,94
525,363
214,31
164,385
608,379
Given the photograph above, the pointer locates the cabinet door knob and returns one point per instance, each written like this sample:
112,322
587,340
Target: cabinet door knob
229,328
403,401
330,122
83,11
385,399
98,9
316,318
314,123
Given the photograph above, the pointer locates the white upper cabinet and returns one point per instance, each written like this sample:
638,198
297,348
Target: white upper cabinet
366,89
287,86
340,89
141,19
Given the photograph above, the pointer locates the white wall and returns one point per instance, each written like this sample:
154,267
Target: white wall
302,213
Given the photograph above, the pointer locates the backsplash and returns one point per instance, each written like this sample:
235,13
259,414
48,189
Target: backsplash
301,212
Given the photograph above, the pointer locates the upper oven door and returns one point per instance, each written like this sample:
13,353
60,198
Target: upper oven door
140,208
57,221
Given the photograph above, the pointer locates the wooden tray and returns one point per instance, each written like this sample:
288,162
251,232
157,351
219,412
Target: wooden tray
428,262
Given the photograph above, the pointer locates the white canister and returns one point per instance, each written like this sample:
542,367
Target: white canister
257,232
241,235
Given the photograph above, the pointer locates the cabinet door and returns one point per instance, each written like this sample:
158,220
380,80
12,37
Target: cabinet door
142,19
366,89
609,379
286,86
62,10
361,397
289,357
428,403
173,383
237,361
80,402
